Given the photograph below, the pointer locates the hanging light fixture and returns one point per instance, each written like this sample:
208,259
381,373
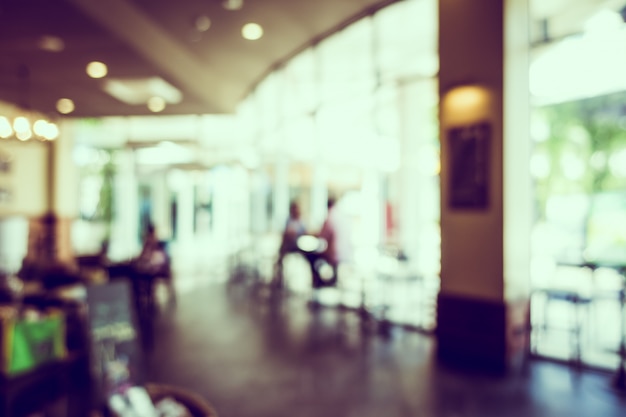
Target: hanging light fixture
23,124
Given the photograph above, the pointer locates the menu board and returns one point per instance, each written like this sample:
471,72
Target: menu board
469,163
115,340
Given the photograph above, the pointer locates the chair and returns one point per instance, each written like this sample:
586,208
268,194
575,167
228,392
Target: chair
570,290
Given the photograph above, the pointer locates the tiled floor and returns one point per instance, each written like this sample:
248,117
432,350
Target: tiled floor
254,355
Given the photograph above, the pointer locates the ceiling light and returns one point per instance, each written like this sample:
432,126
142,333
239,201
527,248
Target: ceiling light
156,104
232,4
252,31
96,69
138,91
202,23
18,123
65,106
45,129
51,43
5,128
22,129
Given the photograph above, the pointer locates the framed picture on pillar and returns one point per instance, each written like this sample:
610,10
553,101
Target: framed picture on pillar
468,158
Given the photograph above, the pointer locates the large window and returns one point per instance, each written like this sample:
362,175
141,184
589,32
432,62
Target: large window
355,116
578,160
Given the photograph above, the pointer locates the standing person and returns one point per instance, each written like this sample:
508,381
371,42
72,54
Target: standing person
337,249
294,228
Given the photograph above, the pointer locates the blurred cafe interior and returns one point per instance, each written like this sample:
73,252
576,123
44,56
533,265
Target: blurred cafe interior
476,152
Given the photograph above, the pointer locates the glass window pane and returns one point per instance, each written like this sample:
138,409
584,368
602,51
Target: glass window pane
301,93
346,62
407,33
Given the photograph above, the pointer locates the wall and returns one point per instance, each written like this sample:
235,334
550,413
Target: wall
25,179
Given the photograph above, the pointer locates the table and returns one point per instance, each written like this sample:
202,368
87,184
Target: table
619,378
38,389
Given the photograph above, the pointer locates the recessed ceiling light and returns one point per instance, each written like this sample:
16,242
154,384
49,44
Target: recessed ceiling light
96,69
232,4
156,104
45,129
51,43
252,31
202,23
65,106
139,91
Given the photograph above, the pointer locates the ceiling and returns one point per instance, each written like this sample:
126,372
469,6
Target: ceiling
138,39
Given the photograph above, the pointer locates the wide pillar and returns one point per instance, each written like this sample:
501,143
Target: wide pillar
485,183
43,188
280,203
124,233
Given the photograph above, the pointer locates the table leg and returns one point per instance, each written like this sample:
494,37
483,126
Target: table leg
619,380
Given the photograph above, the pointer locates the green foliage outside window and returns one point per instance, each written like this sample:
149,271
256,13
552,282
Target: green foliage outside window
583,152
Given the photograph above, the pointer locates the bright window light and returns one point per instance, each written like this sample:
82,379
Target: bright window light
540,165
572,165
603,22
539,129
598,160
5,128
579,67
617,163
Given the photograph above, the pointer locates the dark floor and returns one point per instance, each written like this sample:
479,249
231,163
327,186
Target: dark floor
252,356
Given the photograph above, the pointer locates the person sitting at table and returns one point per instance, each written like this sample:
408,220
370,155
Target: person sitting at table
294,228
153,262
336,249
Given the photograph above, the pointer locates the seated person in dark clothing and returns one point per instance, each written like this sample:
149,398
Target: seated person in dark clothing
293,230
334,248
152,263
153,259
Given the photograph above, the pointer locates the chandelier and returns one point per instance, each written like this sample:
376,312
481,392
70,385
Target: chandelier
23,124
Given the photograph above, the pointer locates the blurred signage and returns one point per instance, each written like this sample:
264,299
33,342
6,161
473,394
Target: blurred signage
117,361
469,163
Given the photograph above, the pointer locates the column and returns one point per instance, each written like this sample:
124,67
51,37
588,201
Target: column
64,191
23,195
185,210
319,195
45,190
371,215
124,234
259,194
485,198
280,201
161,209
418,206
